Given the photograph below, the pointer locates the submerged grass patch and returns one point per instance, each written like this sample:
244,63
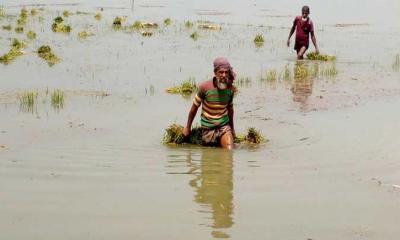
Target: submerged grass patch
57,98
23,16
187,87
27,100
13,53
330,71
320,57
396,63
174,135
285,75
46,53
31,35
59,26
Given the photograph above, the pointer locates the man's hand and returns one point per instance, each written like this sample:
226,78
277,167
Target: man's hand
288,42
186,132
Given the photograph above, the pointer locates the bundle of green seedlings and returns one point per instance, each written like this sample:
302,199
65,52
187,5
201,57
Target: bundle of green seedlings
187,87
138,25
84,34
259,40
188,24
46,53
23,16
13,53
31,35
167,21
59,26
27,100
117,23
194,36
320,57
174,135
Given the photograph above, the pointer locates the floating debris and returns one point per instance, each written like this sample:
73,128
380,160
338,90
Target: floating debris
13,53
7,27
59,26
396,63
97,16
46,53
167,21
259,40
210,26
174,135
117,23
57,99
31,35
187,87
194,36
320,57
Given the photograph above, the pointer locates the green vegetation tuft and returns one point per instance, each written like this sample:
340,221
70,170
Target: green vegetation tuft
194,36
7,27
117,23
97,16
31,35
46,53
320,57
13,53
187,87
66,13
188,24
27,100
57,99
167,21
19,29
301,72
271,75
59,26
82,35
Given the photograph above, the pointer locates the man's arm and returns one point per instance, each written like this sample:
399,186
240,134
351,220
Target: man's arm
291,32
230,115
314,41
191,116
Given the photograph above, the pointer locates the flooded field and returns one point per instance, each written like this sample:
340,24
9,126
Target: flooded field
81,152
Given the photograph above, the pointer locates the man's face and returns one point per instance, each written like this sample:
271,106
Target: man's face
305,13
222,76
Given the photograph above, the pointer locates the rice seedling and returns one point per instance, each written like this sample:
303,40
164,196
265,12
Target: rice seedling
59,26
320,57
396,63
7,27
167,21
188,24
194,36
13,53
66,13
27,100
46,53
22,17
19,29
187,87
97,16
271,75
31,35
259,39
117,23
330,72
174,135
137,25
146,34
301,71
57,99
82,35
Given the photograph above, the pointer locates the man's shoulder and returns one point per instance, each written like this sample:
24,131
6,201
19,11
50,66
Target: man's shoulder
206,85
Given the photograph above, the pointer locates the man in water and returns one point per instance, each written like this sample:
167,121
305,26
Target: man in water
304,27
216,97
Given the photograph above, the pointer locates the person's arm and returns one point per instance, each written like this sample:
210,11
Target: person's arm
191,116
314,41
230,115
291,32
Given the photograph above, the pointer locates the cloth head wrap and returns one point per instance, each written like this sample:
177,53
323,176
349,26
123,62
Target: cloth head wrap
222,62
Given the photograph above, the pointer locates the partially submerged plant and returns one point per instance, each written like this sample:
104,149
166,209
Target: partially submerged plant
259,39
46,53
330,72
396,63
2,13
167,21
66,13
19,29
31,35
27,100
188,24
22,17
117,23
57,99
271,75
59,26
254,136
84,34
286,73
146,34
34,12
97,16
187,87
243,82
301,71
320,57
13,53
7,27
194,36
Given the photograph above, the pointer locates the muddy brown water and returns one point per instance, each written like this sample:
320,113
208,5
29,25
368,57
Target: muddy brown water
97,169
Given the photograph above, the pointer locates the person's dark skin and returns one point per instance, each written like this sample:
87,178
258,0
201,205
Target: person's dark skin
304,12
227,140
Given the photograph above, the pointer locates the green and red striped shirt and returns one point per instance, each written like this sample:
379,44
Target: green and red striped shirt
215,104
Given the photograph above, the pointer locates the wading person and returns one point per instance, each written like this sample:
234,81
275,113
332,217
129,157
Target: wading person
304,28
216,97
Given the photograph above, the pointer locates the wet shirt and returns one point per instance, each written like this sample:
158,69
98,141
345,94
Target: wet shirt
303,30
215,104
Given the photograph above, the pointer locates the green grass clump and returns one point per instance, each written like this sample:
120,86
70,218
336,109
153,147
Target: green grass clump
59,26
187,87
167,21
34,12
19,29
117,23
146,34
188,24
254,136
57,99
13,53
97,16
7,27
330,72
259,40
27,100
23,16
271,75
320,57
84,34
194,36
396,63
46,53
66,13
31,35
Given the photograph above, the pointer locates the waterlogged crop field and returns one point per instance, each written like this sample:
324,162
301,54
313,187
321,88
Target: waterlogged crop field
87,94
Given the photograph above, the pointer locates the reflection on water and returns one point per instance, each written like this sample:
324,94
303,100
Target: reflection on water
213,186
302,84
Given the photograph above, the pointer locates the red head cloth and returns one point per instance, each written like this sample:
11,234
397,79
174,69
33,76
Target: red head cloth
222,62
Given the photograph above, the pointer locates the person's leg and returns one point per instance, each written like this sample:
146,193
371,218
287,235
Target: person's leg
227,140
301,52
